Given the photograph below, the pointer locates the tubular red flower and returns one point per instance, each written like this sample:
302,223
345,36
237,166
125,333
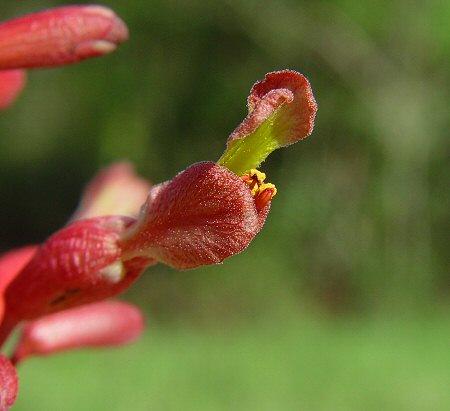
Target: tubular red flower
60,36
78,265
94,325
8,384
11,85
202,216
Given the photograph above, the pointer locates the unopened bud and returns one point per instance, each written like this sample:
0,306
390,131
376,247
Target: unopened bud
59,36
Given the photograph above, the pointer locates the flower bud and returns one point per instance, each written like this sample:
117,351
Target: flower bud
59,36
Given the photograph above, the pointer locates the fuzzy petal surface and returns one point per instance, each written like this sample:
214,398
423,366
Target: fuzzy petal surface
202,216
79,264
282,110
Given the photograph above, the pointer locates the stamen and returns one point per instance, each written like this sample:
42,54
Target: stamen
254,179
261,192
265,194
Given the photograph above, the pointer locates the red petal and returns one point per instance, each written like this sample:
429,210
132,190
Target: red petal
59,36
116,190
11,84
9,384
79,264
288,91
202,216
99,324
11,263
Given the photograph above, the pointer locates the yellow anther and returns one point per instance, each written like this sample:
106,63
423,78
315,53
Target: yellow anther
260,176
268,186
265,194
261,192
253,178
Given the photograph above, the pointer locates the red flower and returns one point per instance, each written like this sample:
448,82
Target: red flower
54,37
202,216
205,214
59,36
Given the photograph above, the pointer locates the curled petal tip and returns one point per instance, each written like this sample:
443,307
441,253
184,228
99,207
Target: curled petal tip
60,36
282,110
11,85
296,121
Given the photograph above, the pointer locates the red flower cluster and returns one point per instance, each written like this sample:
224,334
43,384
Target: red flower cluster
205,214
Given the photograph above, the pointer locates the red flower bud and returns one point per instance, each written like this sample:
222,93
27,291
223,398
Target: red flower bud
202,216
79,264
59,36
100,324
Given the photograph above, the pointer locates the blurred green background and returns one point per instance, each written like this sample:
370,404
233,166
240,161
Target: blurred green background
341,302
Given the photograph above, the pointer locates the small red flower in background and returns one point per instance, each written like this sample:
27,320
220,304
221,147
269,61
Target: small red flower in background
202,216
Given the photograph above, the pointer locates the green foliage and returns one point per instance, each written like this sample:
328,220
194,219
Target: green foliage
287,364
